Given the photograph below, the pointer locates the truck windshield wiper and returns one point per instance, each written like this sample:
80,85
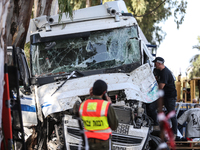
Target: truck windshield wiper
68,77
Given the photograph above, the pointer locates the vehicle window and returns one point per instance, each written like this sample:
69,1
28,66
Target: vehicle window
102,49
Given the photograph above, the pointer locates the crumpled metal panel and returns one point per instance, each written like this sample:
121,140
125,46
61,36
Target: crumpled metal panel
144,78
28,109
140,85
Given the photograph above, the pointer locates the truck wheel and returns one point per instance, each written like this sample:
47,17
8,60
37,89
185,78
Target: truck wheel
154,142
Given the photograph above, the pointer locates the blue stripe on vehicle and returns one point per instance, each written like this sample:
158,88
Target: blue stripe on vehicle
154,86
28,108
46,105
26,98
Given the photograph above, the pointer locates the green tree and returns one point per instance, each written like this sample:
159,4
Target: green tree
153,12
196,47
149,13
195,62
195,68
194,58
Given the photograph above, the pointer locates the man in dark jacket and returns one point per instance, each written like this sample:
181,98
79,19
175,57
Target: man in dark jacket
166,83
99,117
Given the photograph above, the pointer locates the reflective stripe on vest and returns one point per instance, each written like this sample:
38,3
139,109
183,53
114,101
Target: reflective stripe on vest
94,116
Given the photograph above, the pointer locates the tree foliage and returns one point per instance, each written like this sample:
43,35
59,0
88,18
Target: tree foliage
195,61
194,58
195,68
149,13
65,6
198,45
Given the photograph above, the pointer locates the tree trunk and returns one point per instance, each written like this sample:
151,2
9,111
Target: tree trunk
4,4
54,7
37,4
44,7
87,3
47,9
19,22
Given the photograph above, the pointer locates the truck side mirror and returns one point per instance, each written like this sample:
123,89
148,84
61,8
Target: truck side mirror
23,68
18,67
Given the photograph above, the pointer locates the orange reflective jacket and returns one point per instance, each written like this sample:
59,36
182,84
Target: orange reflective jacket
94,115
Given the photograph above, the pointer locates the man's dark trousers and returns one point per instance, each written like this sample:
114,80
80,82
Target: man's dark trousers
170,104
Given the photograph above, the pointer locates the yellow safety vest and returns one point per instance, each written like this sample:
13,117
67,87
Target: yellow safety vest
94,115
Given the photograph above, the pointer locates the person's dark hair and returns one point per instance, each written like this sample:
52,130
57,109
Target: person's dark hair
196,105
159,59
99,87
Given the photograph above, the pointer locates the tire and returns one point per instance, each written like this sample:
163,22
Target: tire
154,142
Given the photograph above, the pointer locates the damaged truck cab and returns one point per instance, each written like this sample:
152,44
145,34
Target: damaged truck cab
68,56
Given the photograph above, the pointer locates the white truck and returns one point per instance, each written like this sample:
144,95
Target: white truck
67,56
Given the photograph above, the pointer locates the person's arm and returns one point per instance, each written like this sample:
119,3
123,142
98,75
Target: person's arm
76,108
108,98
164,76
112,118
161,85
183,118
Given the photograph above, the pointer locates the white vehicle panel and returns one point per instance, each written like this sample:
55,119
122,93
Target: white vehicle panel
28,108
140,85
86,26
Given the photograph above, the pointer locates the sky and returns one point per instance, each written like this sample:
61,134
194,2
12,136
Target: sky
176,48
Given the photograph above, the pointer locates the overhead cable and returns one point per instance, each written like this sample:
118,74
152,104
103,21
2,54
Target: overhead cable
152,10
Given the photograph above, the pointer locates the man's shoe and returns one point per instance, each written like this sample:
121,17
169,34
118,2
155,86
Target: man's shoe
178,138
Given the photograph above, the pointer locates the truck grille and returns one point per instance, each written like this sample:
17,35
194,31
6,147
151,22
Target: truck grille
126,139
74,131
119,138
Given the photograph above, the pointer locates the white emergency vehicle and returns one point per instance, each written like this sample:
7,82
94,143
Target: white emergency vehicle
68,56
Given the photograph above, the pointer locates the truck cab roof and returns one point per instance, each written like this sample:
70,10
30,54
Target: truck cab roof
110,15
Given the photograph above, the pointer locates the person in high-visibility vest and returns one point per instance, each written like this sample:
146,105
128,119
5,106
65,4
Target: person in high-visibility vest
98,117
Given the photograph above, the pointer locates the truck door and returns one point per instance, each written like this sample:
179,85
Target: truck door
19,75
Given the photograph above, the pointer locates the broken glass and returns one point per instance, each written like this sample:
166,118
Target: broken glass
101,50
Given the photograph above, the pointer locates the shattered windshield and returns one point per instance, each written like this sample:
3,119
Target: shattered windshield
100,50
